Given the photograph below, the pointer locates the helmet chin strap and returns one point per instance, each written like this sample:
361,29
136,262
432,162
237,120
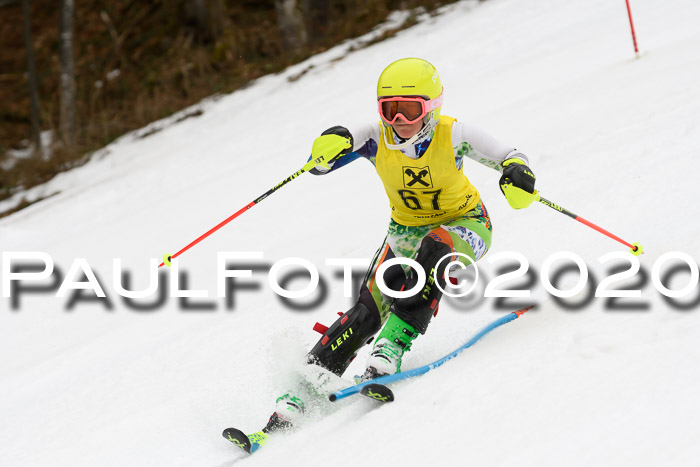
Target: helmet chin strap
425,131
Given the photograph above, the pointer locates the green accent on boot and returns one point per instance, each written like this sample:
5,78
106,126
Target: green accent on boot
400,334
294,399
290,407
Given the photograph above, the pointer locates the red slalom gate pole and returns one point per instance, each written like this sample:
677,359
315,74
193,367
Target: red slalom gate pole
635,248
634,36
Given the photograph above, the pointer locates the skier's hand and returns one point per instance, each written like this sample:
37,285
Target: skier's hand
329,147
518,183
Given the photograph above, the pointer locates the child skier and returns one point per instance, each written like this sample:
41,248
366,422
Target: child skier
436,211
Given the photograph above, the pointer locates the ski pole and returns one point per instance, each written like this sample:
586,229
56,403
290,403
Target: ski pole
167,258
635,248
382,380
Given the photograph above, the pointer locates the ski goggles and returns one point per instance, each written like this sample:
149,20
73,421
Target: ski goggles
411,109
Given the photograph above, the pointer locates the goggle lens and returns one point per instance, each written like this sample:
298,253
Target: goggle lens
410,110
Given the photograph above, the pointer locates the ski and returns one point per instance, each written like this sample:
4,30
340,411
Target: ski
376,388
248,443
375,391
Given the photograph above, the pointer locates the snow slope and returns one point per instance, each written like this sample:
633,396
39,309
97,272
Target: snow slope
612,138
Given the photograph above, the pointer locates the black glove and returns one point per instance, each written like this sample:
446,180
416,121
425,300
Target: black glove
340,131
518,174
518,184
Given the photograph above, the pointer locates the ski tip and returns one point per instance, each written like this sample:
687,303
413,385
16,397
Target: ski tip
332,397
522,311
238,438
378,392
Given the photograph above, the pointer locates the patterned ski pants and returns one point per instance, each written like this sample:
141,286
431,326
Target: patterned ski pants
469,234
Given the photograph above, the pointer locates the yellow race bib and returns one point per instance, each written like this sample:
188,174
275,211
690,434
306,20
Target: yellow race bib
427,190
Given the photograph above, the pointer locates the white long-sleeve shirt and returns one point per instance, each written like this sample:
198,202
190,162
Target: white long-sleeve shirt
467,141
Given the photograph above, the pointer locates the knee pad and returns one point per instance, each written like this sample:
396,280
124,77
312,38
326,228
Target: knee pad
418,309
340,342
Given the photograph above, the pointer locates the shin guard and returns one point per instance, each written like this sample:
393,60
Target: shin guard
418,309
340,342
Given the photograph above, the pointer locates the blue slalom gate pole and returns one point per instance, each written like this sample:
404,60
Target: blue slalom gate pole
388,379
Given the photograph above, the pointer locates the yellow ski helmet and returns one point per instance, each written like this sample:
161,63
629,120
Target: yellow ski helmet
417,78
409,77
